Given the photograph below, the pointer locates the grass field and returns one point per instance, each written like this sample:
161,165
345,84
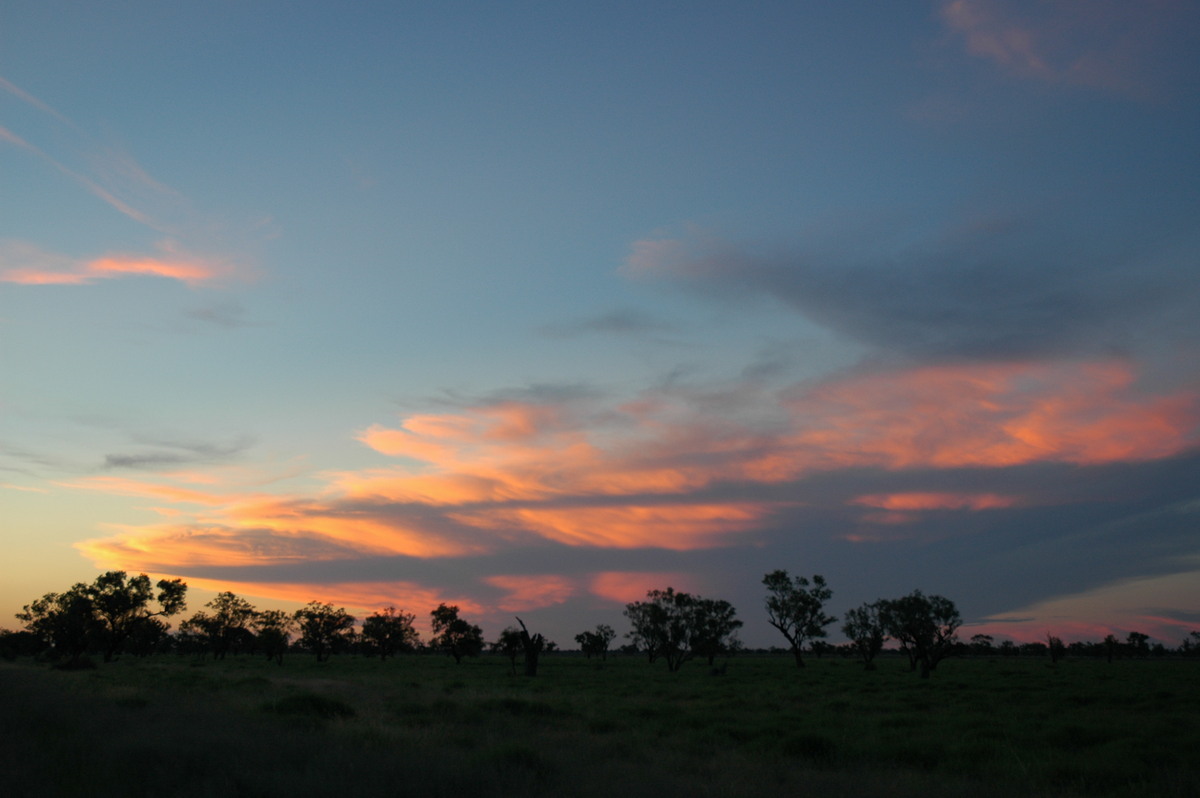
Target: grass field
421,726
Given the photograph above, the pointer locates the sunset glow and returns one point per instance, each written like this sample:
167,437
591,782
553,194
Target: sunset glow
606,300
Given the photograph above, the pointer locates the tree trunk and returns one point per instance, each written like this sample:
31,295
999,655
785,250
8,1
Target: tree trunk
799,658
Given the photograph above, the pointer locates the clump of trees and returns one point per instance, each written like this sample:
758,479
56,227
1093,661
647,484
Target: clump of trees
679,626
104,615
596,642
118,614
390,632
455,635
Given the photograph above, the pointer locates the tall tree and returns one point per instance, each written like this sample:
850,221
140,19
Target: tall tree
864,627
389,632
716,628
924,625
678,626
596,642
121,603
228,627
273,629
509,645
533,645
455,635
64,622
103,614
797,610
323,629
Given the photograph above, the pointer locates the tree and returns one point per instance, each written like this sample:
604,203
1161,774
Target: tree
102,615
274,630
924,626
533,646
716,628
509,644
596,642
982,644
1056,648
120,604
229,625
389,632
675,626
864,627
454,635
1138,643
63,622
323,629
797,610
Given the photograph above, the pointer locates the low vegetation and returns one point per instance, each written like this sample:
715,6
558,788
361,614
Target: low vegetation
423,726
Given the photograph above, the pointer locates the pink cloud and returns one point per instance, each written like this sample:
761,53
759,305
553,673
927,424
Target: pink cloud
532,592
1104,44
643,474
628,586
35,267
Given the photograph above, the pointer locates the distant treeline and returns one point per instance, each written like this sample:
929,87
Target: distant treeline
121,615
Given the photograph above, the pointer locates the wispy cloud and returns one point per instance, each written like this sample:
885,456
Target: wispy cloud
1103,44
998,288
116,178
29,265
617,322
491,485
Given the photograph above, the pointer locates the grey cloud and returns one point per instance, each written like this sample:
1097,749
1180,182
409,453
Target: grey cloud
620,322
997,290
227,314
168,453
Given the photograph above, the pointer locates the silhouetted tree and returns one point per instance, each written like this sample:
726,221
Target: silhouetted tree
323,629
864,628
596,642
1055,647
228,627
982,644
390,632
121,603
924,625
797,610
1138,644
149,636
454,635
716,628
103,614
675,626
509,644
273,630
1112,646
64,622
20,643
532,645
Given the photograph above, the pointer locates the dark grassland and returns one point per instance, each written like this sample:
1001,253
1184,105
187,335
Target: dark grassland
421,726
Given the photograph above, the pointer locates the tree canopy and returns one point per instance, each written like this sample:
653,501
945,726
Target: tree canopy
455,635
678,626
797,610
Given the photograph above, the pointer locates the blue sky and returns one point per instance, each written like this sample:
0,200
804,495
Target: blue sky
535,307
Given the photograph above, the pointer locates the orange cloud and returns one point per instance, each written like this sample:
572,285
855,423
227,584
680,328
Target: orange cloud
986,415
671,526
935,501
646,473
47,269
121,486
629,586
532,592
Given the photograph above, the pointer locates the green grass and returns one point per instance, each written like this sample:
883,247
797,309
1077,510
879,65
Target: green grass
422,726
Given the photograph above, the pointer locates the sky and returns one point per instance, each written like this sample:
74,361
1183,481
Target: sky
533,307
